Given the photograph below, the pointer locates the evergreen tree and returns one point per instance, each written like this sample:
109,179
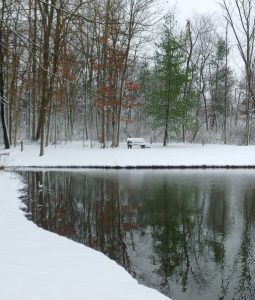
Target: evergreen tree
219,87
165,105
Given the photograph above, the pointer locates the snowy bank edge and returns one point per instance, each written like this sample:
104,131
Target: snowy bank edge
47,240
139,167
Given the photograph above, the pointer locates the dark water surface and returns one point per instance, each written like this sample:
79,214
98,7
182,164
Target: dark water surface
189,234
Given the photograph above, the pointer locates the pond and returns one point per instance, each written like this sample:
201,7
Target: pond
189,234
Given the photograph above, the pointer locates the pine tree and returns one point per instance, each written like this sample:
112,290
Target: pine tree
221,82
165,104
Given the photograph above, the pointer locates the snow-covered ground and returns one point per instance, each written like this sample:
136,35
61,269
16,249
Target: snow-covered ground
38,265
74,154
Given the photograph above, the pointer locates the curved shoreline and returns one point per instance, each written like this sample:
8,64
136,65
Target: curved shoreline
152,167
55,267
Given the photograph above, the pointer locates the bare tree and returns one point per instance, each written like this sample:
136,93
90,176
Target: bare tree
226,90
2,98
241,18
204,50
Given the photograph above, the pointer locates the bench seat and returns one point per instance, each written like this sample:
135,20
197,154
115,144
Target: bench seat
135,142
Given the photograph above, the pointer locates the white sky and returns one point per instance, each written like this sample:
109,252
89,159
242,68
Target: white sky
186,8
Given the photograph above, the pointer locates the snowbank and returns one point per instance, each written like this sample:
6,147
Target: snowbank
174,155
38,265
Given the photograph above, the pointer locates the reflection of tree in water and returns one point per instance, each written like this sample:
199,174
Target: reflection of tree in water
217,223
190,225
174,218
237,279
245,260
87,210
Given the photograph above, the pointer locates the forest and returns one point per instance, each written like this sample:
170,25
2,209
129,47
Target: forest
105,70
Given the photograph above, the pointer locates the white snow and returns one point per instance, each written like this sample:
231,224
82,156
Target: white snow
38,265
73,154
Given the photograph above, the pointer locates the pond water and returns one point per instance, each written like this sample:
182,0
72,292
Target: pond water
189,234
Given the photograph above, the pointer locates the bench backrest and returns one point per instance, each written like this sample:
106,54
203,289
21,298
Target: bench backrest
135,140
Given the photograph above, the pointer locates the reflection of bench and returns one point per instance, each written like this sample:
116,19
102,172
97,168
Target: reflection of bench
135,142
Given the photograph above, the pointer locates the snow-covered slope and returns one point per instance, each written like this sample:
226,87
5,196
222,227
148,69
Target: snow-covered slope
38,265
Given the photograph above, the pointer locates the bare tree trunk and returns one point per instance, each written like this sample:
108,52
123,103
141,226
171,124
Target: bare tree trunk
34,71
2,100
248,124
47,14
105,61
42,141
226,88
187,86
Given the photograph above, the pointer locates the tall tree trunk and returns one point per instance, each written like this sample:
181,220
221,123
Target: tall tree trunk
47,14
188,83
226,88
165,135
2,100
105,62
34,71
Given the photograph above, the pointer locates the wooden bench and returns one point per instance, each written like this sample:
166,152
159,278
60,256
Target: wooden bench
136,142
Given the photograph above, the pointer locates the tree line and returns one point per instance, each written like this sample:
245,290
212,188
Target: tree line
105,70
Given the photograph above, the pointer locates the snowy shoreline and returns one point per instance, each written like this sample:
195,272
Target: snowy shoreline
37,264
139,167
60,269
174,156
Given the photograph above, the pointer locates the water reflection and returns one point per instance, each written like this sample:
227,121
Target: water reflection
189,234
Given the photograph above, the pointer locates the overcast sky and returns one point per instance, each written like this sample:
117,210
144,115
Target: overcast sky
186,8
